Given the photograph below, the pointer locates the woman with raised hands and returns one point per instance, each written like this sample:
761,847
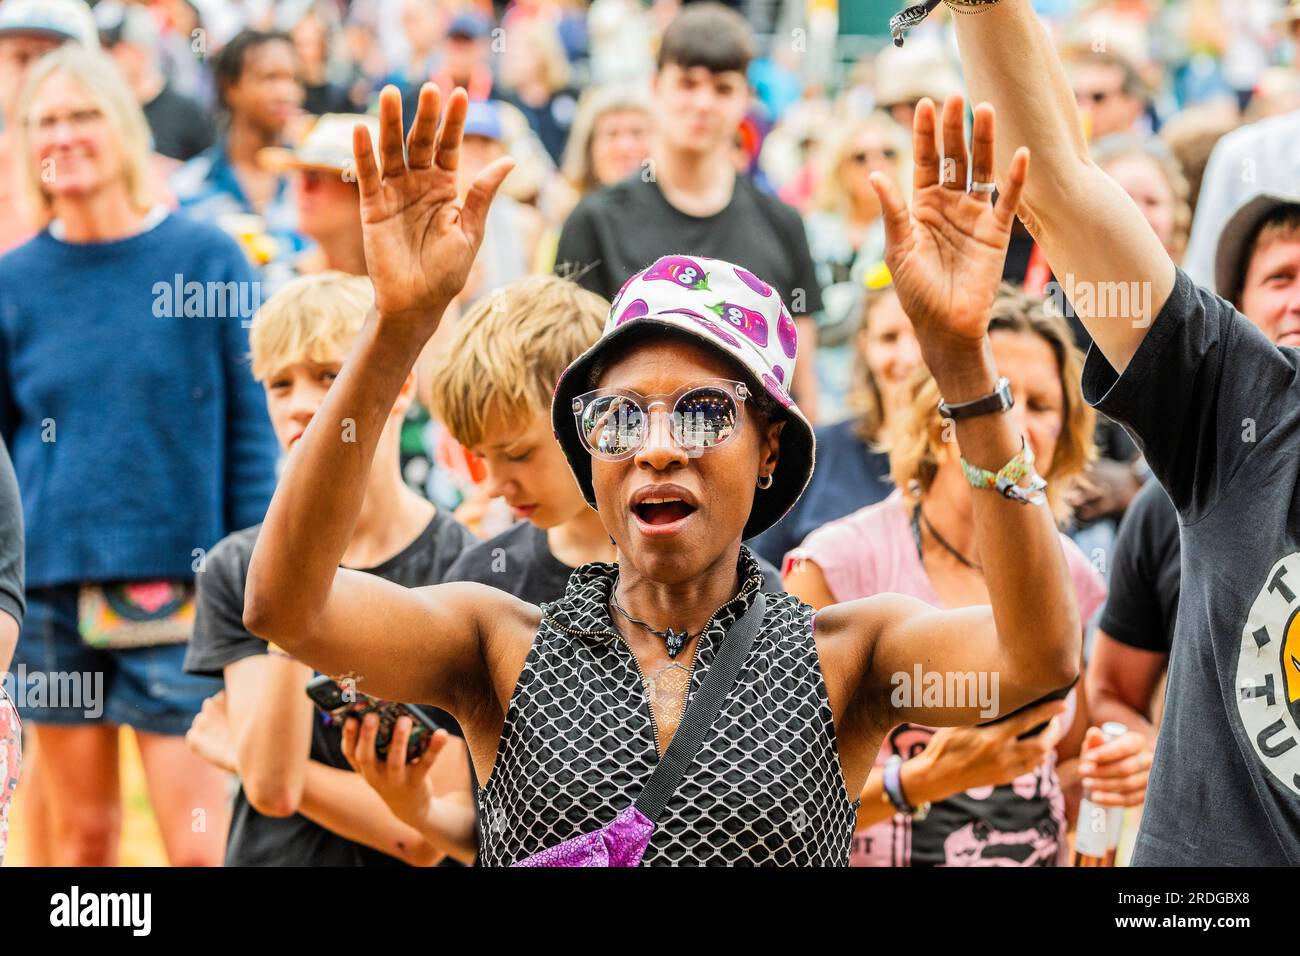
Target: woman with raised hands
680,431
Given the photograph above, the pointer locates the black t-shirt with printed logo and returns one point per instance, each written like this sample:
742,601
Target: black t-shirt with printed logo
621,229
1215,407
220,639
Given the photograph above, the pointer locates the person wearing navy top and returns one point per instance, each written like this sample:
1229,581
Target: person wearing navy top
139,439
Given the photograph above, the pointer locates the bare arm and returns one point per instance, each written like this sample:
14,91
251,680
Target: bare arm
343,803
270,723
958,759
946,257
1091,232
419,244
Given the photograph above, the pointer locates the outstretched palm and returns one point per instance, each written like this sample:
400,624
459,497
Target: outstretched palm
420,240
946,255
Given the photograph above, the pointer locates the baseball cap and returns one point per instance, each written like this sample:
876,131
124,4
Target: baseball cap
483,118
468,26
58,19
728,310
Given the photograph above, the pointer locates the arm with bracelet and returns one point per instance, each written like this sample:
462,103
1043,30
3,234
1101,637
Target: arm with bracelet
946,256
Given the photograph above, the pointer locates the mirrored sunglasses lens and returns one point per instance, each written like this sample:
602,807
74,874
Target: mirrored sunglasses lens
612,425
705,417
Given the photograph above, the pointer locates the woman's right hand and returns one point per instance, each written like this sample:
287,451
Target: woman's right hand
958,759
420,240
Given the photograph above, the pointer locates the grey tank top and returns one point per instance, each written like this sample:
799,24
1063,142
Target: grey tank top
579,744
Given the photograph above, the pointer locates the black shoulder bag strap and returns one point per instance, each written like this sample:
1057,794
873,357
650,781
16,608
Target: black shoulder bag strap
702,711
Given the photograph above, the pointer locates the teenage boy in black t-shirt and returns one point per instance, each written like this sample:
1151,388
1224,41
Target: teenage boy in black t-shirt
1215,407
688,197
491,385
299,801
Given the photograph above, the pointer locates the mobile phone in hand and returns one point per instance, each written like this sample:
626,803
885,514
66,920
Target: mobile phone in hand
340,704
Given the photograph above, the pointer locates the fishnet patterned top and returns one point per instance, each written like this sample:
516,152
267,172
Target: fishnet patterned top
578,742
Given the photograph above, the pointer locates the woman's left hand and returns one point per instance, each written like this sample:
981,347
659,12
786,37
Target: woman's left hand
946,254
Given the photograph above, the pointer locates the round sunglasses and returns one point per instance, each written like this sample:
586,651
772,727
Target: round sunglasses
615,422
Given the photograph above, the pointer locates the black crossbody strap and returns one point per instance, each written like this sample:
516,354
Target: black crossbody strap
702,711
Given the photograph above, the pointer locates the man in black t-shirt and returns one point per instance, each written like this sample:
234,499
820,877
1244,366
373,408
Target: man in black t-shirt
1259,246
688,198
299,801
1214,406
1131,649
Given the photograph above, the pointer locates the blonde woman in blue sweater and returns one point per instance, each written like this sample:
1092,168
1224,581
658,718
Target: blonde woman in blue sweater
138,438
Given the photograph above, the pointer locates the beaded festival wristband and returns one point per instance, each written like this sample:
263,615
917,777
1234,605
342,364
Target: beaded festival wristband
1006,480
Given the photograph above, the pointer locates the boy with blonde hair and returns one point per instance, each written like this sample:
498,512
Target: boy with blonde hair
491,385
299,802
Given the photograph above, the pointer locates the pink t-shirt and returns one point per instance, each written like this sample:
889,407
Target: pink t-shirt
872,551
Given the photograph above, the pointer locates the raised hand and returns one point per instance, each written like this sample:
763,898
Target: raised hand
420,239
946,254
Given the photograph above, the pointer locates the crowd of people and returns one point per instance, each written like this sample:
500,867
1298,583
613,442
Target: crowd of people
332,338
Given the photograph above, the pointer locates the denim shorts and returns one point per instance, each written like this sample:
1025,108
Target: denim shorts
58,679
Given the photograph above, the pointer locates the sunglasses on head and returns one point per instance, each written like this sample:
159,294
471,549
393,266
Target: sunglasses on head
615,422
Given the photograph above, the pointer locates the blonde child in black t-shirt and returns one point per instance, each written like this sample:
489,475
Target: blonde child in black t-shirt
299,802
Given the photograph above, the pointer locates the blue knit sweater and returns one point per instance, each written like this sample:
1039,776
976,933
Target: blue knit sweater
137,432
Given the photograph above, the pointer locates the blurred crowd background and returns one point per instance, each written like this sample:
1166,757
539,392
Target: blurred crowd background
249,102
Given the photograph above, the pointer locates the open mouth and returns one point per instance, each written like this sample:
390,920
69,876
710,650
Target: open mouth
662,514
662,511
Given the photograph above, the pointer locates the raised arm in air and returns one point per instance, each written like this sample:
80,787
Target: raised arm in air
421,645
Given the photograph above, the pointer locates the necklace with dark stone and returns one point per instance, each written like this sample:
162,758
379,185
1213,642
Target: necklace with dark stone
674,639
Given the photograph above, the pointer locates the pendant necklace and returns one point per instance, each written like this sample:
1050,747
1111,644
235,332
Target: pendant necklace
675,639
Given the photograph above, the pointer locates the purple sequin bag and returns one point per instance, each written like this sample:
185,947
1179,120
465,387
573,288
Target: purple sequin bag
623,841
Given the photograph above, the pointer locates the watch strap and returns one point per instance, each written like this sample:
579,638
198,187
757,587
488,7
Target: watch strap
998,400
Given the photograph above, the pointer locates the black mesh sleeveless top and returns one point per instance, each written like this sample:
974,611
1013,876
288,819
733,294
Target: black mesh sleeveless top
578,742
